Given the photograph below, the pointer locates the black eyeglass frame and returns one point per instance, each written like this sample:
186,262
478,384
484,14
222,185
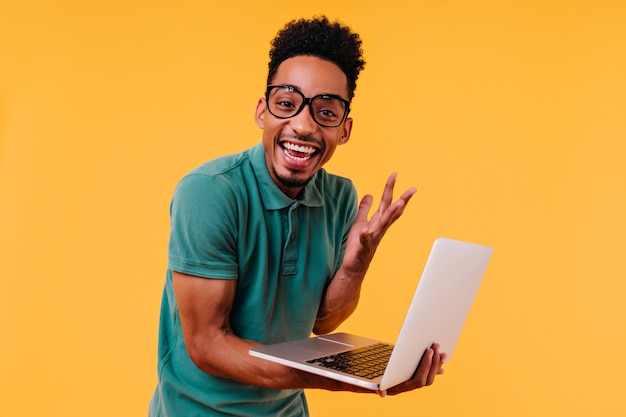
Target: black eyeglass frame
306,100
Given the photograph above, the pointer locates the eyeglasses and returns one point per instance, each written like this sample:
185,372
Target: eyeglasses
286,101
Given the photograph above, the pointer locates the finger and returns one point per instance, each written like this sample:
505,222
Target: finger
406,196
397,208
421,375
434,366
364,208
394,211
367,239
387,197
442,360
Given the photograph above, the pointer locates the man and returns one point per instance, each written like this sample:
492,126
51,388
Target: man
266,246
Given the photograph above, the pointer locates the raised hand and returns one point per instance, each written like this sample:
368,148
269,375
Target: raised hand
342,295
366,234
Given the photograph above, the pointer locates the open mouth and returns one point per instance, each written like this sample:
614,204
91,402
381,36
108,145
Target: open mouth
299,153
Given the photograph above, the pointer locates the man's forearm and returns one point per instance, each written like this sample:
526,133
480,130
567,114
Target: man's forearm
340,300
230,358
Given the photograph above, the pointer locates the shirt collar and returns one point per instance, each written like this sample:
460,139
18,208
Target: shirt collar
273,198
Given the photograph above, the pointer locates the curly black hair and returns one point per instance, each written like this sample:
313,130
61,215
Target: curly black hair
318,37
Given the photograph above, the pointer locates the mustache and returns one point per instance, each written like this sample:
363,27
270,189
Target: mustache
308,138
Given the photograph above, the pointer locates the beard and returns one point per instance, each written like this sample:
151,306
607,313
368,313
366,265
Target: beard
291,181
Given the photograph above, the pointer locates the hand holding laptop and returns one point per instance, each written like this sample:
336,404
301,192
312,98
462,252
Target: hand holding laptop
430,366
436,316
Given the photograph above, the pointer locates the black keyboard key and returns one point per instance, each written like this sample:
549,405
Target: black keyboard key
368,362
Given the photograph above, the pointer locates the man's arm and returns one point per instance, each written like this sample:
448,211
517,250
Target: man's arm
342,295
204,306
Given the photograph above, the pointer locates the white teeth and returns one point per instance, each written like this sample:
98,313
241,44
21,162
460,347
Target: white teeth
295,158
298,148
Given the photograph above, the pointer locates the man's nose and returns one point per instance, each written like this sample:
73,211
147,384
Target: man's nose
303,122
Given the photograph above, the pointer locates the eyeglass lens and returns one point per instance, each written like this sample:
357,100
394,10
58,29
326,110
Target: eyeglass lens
285,102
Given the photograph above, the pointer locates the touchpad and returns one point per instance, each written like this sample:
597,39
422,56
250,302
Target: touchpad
323,345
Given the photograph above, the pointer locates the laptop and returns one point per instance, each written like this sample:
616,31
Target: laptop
439,309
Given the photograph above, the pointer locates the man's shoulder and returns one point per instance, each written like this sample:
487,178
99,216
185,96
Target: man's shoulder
224,176
222,165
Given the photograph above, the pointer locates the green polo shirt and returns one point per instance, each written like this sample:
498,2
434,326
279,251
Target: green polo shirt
229,220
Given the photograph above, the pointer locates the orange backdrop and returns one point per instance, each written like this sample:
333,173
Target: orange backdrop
507,116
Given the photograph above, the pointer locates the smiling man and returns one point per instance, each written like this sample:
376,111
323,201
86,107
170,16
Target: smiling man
298,142
266,246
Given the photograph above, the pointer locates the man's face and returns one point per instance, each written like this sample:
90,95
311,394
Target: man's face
296,148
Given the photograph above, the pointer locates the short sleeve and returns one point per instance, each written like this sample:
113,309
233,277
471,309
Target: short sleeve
203,236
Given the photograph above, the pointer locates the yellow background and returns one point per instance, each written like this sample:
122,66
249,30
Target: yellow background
509,117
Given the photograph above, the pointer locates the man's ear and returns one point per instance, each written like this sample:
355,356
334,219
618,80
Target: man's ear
346,129
259,114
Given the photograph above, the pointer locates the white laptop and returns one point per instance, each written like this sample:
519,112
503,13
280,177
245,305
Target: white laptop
437,314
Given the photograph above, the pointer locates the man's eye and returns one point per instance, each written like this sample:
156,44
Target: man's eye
327,113
285,104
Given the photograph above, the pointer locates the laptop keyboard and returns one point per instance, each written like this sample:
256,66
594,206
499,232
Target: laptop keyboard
367,362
